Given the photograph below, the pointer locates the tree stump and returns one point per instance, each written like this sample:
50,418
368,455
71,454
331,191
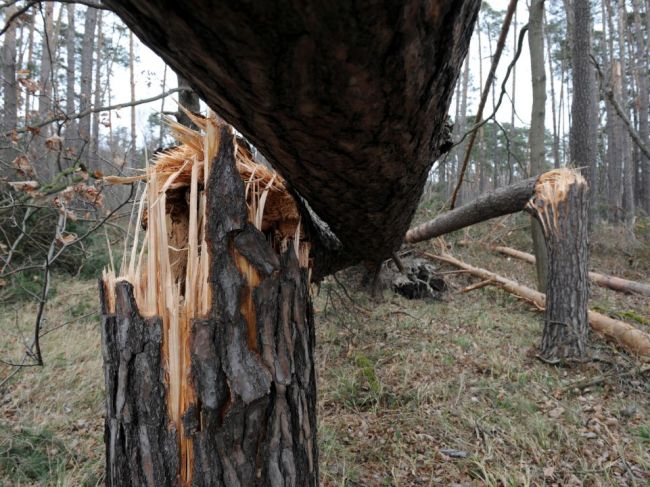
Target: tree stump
560,203
246,411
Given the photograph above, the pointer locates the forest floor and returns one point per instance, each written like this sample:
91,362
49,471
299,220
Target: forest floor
418,392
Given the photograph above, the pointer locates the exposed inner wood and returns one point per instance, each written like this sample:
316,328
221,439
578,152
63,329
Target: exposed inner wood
169,265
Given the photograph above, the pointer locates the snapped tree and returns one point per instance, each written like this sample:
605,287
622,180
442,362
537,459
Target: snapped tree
348,100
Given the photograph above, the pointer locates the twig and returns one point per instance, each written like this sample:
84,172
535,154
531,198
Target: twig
477,285
73,116
603,378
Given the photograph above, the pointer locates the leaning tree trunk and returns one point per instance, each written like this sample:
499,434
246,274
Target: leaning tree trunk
247,398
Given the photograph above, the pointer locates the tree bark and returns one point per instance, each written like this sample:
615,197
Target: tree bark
348,100
563,213
70,47
537,133
629,208
251,416
9,118
188,99
97,97
86,83
584,115
641,68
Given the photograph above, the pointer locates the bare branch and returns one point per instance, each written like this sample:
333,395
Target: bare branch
74,116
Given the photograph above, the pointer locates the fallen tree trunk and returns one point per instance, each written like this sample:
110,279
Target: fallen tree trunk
502,201
602,280
348,100
619,332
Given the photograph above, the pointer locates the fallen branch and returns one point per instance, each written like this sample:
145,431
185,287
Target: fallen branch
624,334
604,378
602,280
477,285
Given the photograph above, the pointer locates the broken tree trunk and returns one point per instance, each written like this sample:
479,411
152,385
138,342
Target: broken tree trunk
619,332
561,204
348,100
208,333
603,280
557,199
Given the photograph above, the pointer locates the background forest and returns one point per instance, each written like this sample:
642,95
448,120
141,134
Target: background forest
413,392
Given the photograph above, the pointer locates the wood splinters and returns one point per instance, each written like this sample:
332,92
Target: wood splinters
170,276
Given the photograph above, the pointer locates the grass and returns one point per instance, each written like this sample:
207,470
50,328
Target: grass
398,384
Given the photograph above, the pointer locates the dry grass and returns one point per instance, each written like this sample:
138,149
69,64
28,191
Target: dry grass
400,381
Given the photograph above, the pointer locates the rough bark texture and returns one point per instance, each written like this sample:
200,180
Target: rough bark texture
254,420
141,448
9,116
567,292
502,201
348,100
584,115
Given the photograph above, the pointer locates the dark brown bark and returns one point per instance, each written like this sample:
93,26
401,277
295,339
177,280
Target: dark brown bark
348,100
141,449
502,201
584,115
565,227
253,419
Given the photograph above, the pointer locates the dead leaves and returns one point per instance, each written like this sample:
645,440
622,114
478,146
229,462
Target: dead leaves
54,143
23,166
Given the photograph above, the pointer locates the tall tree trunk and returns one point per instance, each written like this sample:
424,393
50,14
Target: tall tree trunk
250,416
462,122
9,117
641,68
134,135
97,102
537,132
628,163
45,94
45,167
584,115
556,135
480,160
29,63
86,83
70,46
